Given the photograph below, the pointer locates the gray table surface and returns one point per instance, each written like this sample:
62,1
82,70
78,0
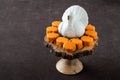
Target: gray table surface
23,55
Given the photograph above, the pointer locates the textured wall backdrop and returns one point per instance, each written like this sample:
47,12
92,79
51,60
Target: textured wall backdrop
23,55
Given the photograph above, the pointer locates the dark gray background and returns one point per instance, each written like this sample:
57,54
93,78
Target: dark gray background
23,55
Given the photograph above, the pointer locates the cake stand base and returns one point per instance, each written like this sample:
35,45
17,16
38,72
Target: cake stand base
69,67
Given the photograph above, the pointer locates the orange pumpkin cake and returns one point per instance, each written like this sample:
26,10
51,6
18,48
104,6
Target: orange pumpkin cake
51,29
90,27
87,41
56,23
92,34
51,37
60,41
78,42
69,46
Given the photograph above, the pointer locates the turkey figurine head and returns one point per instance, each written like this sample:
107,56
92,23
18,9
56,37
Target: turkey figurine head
74,22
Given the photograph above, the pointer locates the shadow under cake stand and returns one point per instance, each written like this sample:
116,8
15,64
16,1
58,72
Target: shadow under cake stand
70,63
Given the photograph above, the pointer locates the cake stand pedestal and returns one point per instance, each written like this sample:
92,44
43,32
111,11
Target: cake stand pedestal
70,64
69,67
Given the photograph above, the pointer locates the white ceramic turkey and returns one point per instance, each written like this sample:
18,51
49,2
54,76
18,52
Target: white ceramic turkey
74,22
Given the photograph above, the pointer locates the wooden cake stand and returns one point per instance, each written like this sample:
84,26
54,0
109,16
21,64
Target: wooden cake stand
70,64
